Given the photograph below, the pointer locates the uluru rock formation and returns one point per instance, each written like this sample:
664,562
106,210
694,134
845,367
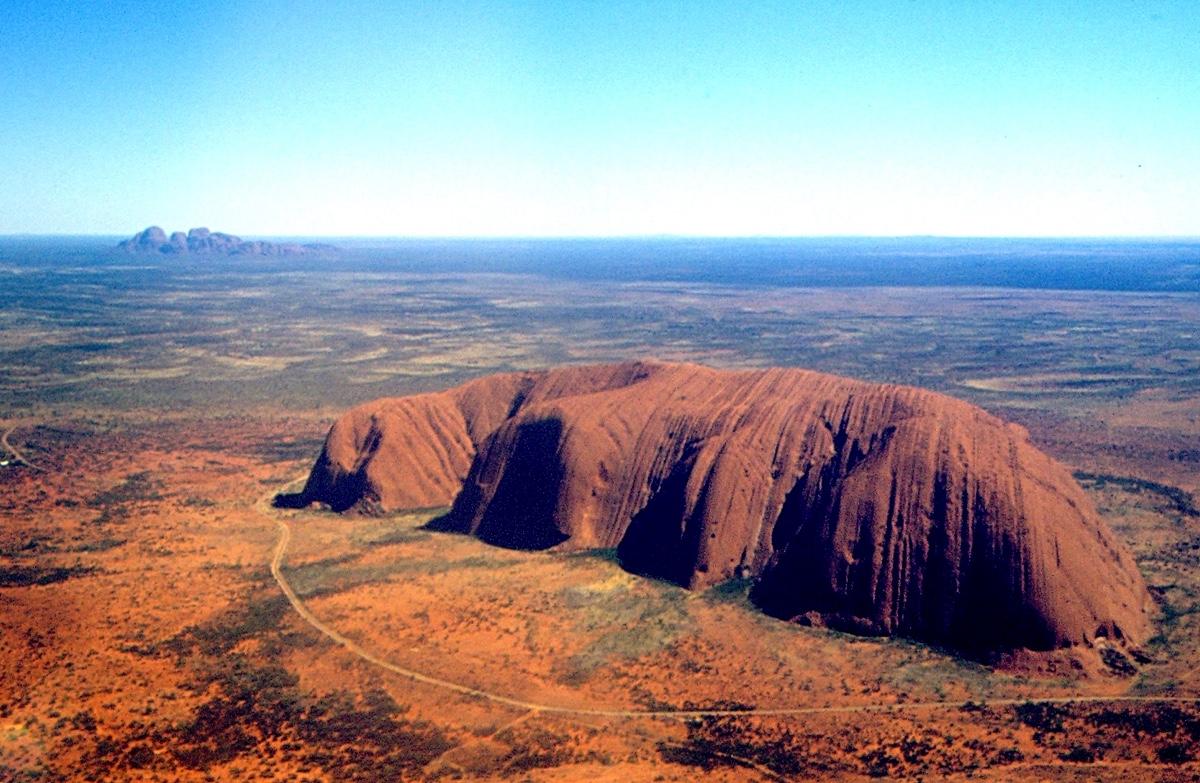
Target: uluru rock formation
201,241
874,508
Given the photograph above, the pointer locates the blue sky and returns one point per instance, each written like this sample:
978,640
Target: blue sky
601,118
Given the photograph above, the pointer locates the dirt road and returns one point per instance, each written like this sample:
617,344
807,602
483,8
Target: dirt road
16,453
285,535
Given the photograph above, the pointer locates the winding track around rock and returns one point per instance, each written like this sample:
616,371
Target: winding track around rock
4,441
285,536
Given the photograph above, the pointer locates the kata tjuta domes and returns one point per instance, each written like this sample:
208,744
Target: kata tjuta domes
202,242
874,508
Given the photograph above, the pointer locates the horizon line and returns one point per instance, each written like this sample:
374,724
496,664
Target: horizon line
662,235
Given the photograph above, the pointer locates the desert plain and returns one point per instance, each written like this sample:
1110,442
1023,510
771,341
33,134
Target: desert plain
161,620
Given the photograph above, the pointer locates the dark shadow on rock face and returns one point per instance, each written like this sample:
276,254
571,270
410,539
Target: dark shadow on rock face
444,523
518,518
971,598
340,493
653,543
289,500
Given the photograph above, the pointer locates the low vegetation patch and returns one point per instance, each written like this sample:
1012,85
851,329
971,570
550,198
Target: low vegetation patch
24,576
621,623
1181,501
134,488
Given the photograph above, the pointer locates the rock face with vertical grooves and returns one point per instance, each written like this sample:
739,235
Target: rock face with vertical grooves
872,508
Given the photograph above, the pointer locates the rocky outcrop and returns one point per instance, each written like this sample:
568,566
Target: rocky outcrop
872,508
201,241
151,240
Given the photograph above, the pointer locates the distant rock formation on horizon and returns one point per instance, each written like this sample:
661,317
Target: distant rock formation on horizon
872,508
201,241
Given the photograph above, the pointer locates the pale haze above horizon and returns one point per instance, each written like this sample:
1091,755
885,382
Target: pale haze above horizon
595,119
